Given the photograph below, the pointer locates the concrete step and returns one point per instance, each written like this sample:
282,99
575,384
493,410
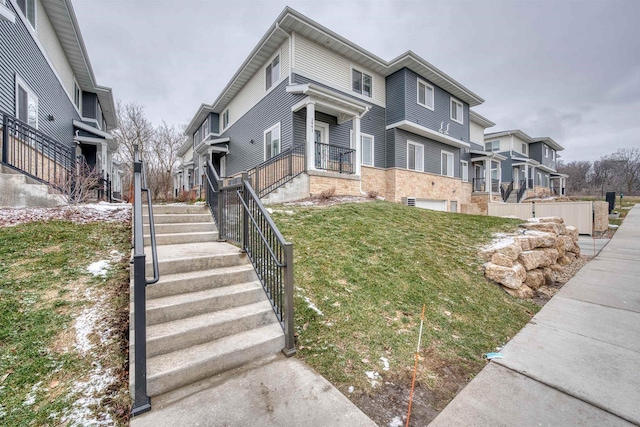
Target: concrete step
183,333
194,281
178,218
171,371
180,209
190,227
174,307
177,238
208,262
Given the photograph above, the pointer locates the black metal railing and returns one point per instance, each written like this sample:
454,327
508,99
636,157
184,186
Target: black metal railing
243,220
530,183
558,191
35,154
505,191
495,186
141,401
479,184
335,158
278,170
521,190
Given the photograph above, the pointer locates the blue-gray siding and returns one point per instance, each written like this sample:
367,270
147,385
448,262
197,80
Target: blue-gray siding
536,152
432,152
20,55
395,97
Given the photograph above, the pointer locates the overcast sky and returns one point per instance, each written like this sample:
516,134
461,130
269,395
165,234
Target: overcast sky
569,70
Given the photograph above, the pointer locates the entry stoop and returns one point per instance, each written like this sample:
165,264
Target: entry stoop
208,313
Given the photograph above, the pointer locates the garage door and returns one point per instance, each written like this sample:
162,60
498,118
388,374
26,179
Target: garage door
434,205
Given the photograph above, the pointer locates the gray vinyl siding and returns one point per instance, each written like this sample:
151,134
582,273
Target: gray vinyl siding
20,54
395,97
475,146
373,123
536,152
214,122
541,182
273,108
507,170
432,152
390,148
89,105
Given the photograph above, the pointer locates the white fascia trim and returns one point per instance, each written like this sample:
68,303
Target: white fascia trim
192,127
517,132
89,140
479,119
6,14
428,133
312,90
528,161
208,143
185,147
558,175
545,168
339,89
91,129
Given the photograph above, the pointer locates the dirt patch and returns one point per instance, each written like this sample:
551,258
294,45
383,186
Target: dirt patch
545,293
324,202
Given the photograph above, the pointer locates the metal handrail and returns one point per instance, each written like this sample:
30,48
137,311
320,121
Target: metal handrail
278,169
521,190
506,192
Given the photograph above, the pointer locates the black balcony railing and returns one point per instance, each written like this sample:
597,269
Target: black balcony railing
495,186
335,158
479,184
278,170
35,154
530,183
558,191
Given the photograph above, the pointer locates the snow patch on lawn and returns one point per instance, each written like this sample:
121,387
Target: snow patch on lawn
89,322
31,396
385,362
88,395
99,268
79,214
312,306
374,378
396,422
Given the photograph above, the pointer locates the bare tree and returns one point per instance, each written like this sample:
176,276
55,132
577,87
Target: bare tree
627,169
80,185
163,156
580,176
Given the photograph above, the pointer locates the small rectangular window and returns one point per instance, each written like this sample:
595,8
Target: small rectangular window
77,95
225,119
425,94
272,146
492,146
26,104
415,156
524,148
272,72
361,83
28,9
447,164
464,167
366,147
457,111
546,151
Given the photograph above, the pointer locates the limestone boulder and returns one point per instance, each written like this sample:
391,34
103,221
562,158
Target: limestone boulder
508,247
576,250
536,239
510,277
523,292
511,251
560,247
552,254
555,219
535,279
531,260
567,242
502,260
548,275
564,260
572,232
548,227
571,256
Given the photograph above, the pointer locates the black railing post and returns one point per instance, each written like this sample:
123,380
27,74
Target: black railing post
220,210
244,218
289,333
5,139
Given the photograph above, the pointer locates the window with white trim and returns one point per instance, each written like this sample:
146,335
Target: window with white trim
539,178
272,144
464,170
546,151
495,170
225,119
361,83
425,94
272,72
366,148
457,111
26,103
524,149
446,168
28,9
492,145
553,154
415,156
77,95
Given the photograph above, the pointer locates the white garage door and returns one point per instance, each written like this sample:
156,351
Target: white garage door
434,205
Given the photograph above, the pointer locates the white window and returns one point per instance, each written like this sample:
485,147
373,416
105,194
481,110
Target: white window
366,148
272,141
415,156
272,72
361,82
447,163
546,180
425,94
524,148
28,9
546,151
225,119
492,146
77,95
457,111
26,104
464,167
495,171
539,178
553,154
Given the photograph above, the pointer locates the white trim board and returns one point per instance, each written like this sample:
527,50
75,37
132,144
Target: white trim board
337,88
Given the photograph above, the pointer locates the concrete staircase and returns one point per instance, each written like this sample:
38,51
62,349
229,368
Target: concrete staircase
296,189
18,190
208,313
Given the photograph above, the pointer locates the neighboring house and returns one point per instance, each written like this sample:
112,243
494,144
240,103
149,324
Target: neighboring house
486,165
183,173
361,124
530,163
48,85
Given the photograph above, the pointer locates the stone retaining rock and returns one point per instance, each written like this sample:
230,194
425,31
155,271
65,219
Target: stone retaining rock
509,277
535,279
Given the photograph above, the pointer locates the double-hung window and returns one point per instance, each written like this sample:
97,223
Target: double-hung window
272,72
524,149
272,144
225,119
457,111
425,94
492,145
77,95
28,9
464,169
415,156
361,82
546,151
366,148
26,104
447,163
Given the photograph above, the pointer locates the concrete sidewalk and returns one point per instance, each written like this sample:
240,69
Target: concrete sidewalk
276,392
577,361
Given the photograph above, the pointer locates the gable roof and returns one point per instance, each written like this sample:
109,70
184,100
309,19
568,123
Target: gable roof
516,132
550,142
481,120
64,22
291,20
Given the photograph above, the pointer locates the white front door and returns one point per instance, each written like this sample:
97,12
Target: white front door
321,139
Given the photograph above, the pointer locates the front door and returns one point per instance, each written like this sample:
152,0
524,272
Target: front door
321,140
216,160
516,177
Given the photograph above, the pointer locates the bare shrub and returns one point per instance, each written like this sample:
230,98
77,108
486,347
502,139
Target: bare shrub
328,193
80,186
372,194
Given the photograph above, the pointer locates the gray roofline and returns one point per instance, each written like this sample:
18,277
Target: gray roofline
550,142
481,120
202,112
517,132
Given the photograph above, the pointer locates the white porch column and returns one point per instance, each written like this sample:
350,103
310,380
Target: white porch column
533,172
526,175
311,114
356,141
487,176
104,165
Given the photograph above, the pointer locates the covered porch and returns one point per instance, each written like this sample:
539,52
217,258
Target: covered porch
523,173
487,171
559,184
